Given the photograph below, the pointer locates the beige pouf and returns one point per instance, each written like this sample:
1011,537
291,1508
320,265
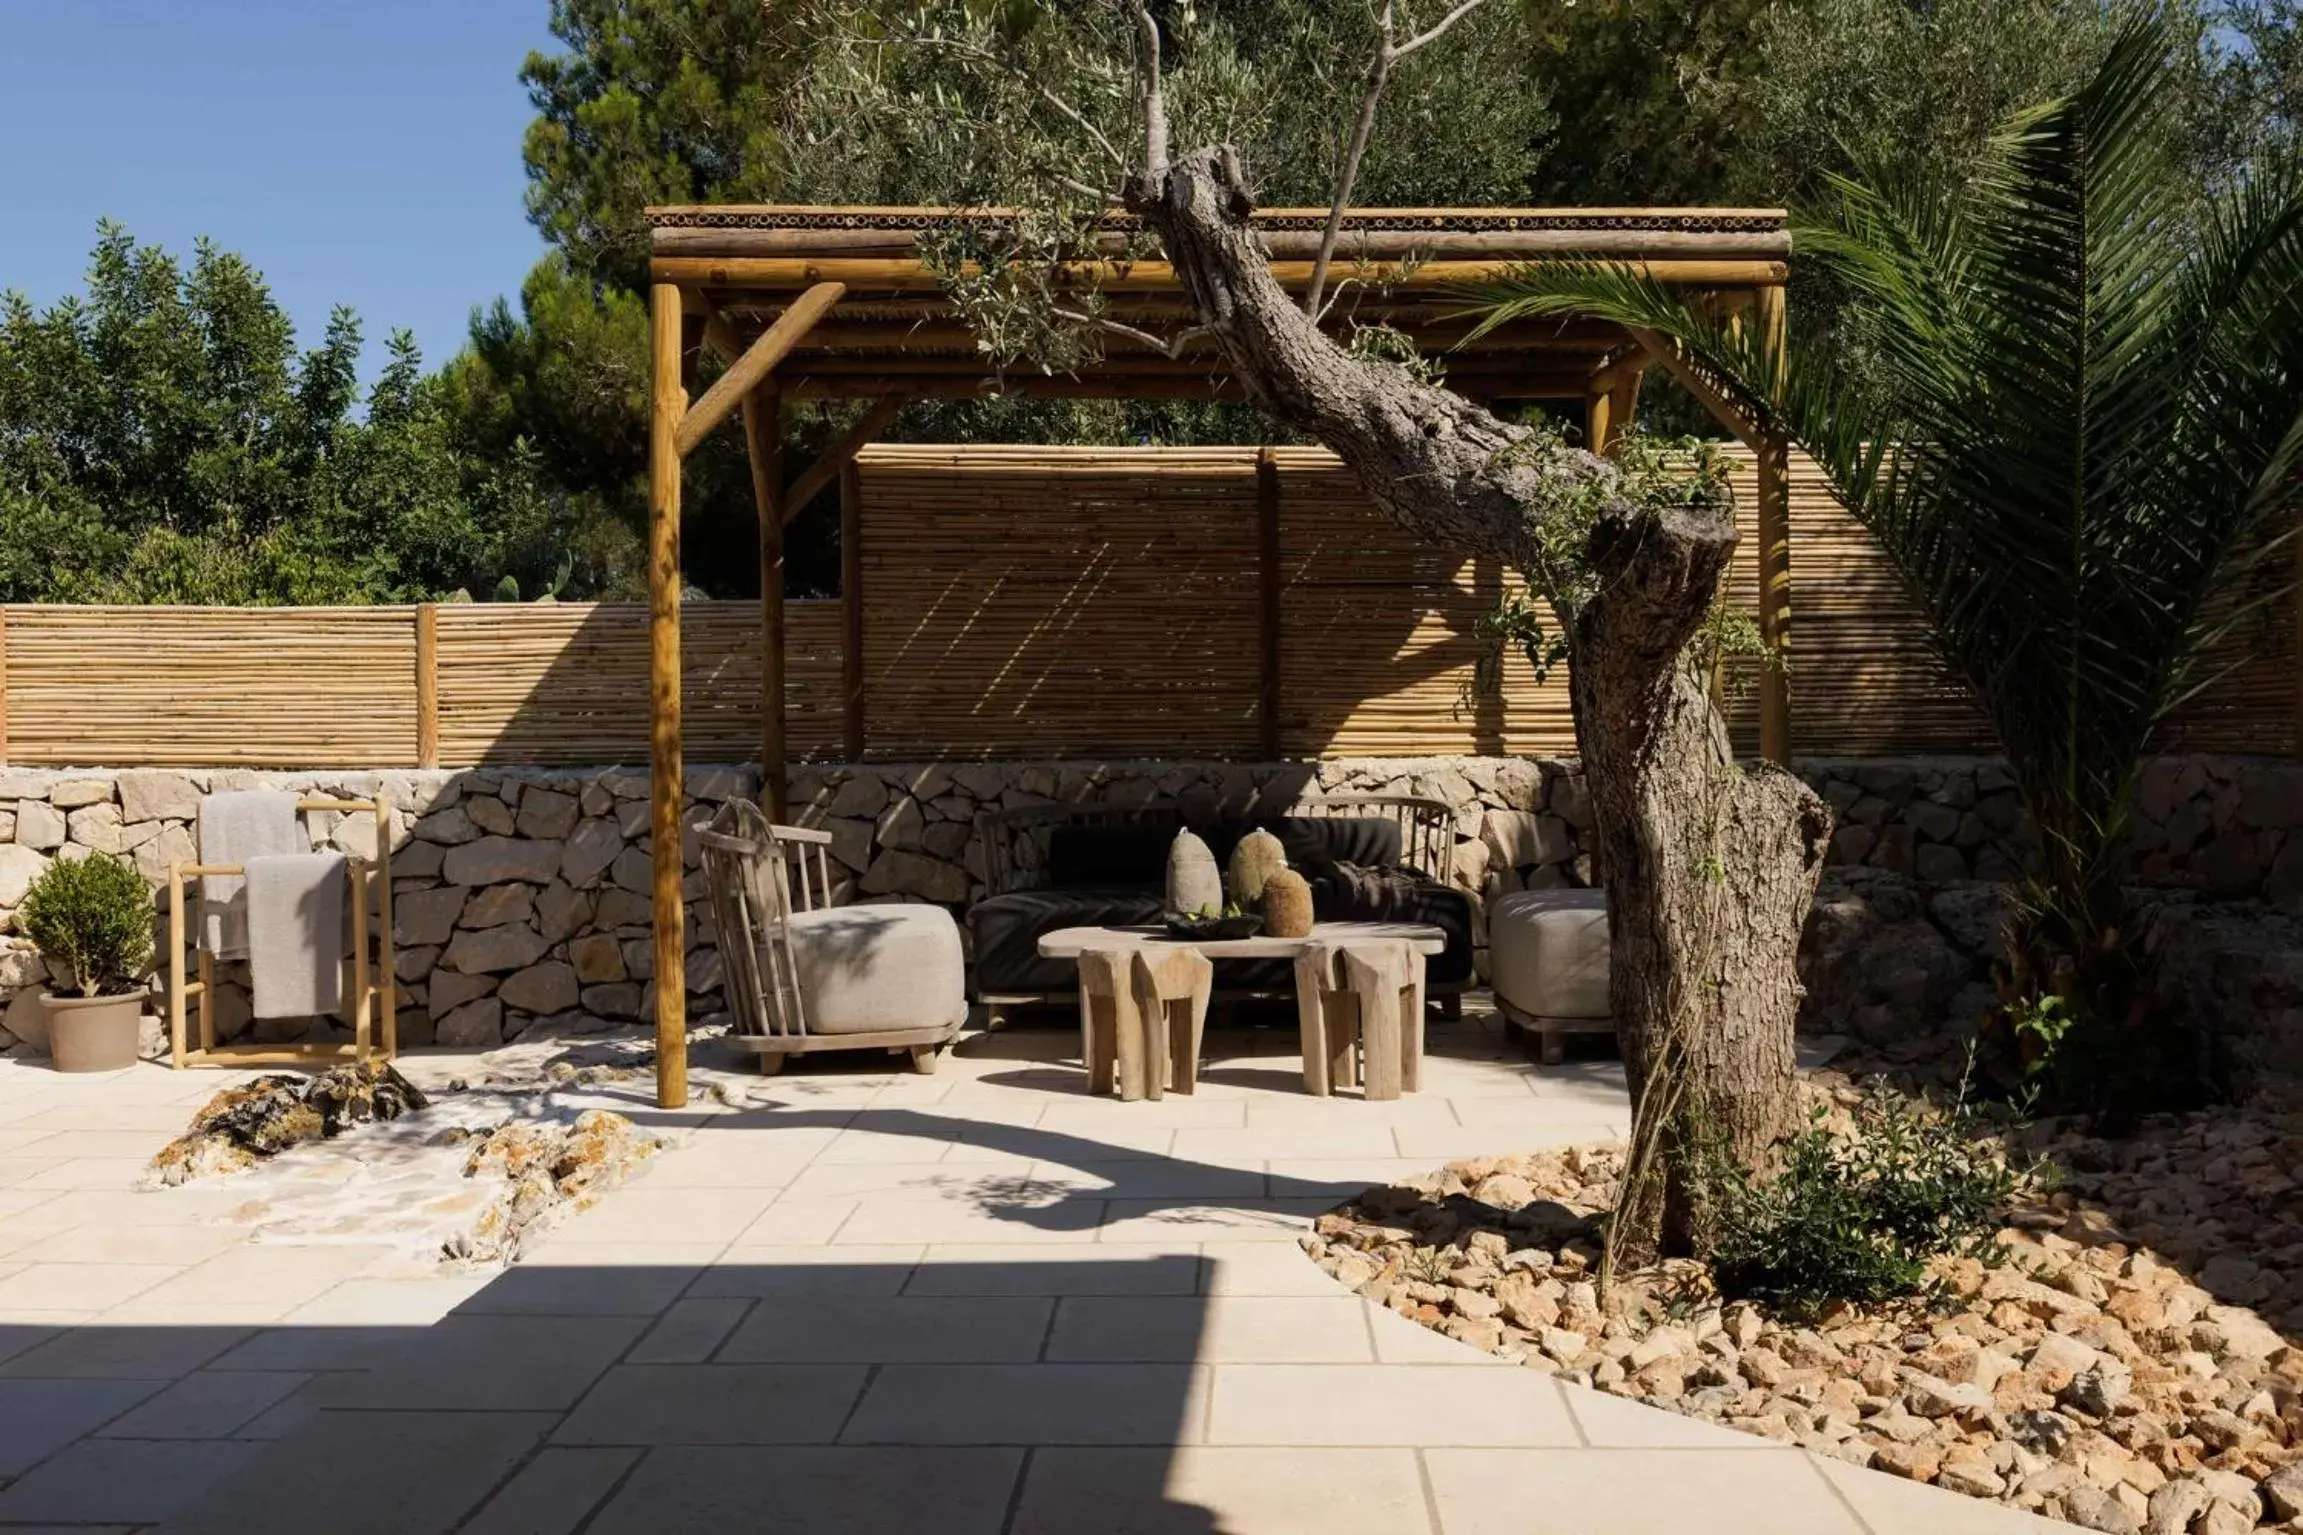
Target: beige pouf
868,969
1548,962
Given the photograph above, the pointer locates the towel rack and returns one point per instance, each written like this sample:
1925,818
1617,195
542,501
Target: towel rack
368,986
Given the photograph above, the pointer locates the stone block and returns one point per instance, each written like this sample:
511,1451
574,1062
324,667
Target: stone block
863,794
20,784
425,917
1934,823
597,958
450,825
40,826
1852,844
19,866
620,999
355,835
495,949
620,908
72,793
633,871
96,826
946,839
495,905
595,799
590,849
899,872
412,965
640,957
851,842
446,990
546,813
703,971
1935,863
418,860
1519,840
491,815
149,794
496,860
173,845
474,1026
561,911
546,988
2270,796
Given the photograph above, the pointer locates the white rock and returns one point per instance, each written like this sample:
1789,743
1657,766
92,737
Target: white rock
19,866
148,794
40,825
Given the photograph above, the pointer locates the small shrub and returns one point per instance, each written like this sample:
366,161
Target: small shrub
1855,1216
91,919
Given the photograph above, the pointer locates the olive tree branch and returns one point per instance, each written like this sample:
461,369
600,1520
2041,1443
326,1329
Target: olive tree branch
1387,53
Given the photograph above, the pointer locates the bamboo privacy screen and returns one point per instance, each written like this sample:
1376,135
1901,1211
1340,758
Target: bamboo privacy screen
1023,602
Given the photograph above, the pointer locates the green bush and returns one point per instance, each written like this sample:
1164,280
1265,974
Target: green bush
92,921
1855,1215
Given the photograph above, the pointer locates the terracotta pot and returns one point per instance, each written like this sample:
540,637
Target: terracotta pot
93,1033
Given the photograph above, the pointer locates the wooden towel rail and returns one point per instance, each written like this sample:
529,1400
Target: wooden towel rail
375,986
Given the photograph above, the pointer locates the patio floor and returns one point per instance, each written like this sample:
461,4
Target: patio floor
974,1302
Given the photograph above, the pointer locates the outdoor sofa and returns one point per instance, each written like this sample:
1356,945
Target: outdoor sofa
1367,857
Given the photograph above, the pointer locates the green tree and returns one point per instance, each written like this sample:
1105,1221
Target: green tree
2087,423
162,440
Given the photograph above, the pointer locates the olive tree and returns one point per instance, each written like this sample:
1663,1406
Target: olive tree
1069,112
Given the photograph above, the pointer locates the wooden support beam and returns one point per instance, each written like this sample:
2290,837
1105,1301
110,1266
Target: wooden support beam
1599,428
764,446
759,360
1706,393
1267,605
1773,522
668,403
427,684
852,738
819,475
1525,243
883,275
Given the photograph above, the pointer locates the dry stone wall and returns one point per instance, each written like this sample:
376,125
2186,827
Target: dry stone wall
521,895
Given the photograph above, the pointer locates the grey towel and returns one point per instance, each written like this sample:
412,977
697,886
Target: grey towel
234,828
296,934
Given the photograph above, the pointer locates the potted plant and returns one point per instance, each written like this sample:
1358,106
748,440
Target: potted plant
91,919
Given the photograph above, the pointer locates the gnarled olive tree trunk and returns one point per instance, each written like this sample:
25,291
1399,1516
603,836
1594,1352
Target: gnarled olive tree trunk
1709,868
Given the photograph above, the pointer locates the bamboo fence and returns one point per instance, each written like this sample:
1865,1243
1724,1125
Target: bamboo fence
1013,602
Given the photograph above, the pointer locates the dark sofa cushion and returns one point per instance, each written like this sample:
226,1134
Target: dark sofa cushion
1007,931
1132,855
1351,893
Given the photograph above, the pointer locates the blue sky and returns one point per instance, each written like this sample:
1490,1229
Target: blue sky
359,153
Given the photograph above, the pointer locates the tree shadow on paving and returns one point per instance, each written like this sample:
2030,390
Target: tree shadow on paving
834,1397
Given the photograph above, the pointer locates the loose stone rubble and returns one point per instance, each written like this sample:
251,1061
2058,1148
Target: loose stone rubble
462,1175
243,1125
2125,1369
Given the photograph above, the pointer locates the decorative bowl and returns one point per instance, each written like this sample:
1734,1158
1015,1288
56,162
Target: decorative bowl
1213,929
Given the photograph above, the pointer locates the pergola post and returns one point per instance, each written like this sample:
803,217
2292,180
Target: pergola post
764,445
668,403
1773,525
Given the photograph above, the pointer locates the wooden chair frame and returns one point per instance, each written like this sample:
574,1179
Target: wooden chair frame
379,987
748,866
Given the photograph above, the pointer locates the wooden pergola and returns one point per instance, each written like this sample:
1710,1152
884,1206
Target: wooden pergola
836,303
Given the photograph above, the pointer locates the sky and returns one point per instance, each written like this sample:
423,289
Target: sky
356,153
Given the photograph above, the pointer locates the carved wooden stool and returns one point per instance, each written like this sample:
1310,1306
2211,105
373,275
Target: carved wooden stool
1143,1013
1360,1010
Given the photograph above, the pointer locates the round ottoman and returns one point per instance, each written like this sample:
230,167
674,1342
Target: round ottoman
1547,959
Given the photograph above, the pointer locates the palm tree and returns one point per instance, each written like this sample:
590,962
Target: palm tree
2083,420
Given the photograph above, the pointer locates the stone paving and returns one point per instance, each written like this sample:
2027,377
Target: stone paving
868,1301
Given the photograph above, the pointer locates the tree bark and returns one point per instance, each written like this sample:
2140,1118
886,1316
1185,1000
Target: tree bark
1709,868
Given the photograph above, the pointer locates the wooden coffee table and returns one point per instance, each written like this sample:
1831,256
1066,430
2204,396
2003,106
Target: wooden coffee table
1359,1002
